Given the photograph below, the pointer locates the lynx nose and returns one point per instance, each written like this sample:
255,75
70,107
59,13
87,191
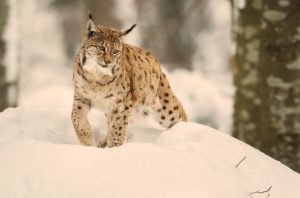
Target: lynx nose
107,62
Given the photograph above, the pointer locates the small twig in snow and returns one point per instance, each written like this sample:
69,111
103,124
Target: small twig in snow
240,162
261,191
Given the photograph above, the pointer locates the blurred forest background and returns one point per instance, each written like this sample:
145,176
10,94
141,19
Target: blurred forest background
234,64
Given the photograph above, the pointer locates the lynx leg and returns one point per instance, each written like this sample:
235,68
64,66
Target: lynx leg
117,126
167,109
81,125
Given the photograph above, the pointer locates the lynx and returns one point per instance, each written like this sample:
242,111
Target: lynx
118,78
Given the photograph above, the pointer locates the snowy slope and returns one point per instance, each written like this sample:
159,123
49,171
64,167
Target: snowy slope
40,157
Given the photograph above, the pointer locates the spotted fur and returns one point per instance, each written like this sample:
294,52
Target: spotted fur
117,78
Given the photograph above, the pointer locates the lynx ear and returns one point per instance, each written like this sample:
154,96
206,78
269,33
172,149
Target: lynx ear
125,32
91,27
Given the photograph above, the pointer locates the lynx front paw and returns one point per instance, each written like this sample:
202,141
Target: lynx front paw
109,144
102,144
114,143
86,138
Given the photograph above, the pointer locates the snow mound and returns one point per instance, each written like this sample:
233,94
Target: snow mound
40,157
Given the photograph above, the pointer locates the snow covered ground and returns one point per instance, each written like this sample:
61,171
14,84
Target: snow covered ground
40,157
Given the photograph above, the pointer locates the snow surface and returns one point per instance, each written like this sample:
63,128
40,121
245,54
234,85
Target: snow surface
41,157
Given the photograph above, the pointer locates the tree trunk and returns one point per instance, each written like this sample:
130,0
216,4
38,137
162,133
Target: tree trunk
267,79
3,84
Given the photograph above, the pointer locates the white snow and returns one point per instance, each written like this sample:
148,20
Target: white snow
35,50
204,101
40,157
213,47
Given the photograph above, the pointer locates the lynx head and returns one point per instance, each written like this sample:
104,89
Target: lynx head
102,48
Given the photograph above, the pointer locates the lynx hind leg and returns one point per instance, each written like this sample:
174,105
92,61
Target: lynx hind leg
167,108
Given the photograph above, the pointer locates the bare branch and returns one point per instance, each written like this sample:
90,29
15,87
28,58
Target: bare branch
261,191
240,161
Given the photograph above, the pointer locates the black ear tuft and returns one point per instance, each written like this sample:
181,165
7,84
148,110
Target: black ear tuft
91,26
129,30
90,15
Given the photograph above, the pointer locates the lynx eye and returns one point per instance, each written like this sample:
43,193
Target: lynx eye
116,52
101,48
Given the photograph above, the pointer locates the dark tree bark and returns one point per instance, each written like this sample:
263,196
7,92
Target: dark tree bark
3,83
267,79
